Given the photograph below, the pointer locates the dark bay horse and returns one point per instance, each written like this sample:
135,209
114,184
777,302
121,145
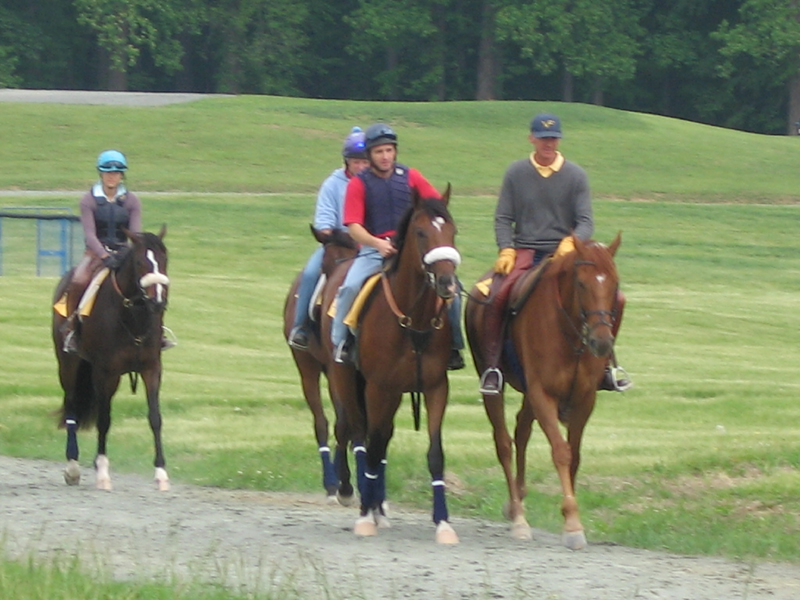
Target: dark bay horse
403,346
339,248
121,335
558,340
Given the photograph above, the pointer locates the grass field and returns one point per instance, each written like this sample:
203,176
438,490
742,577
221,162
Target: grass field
701,457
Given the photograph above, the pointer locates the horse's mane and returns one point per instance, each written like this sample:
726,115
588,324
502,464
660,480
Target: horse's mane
433,206
595,251
147,239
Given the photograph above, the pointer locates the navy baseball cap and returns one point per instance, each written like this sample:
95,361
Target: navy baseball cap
545,125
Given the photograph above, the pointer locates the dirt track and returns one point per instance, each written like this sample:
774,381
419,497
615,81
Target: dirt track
281,543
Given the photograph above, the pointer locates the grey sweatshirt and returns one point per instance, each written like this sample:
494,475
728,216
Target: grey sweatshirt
537,212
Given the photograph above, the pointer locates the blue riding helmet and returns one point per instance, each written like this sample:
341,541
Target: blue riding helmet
354,144
112,161
380,133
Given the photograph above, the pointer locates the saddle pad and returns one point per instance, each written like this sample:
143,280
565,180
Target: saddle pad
87,300
351,320
484,286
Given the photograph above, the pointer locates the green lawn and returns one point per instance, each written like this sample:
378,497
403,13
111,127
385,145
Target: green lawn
701,457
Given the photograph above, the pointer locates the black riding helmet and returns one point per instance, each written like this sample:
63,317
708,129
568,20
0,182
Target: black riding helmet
380,133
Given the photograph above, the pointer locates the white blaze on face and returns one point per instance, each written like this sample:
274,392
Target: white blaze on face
601,278
438,222
155,277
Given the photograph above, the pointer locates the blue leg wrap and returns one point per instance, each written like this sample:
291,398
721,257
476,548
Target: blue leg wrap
72,438
361,467
439,502
329,477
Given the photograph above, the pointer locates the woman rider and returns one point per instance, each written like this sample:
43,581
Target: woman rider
106,209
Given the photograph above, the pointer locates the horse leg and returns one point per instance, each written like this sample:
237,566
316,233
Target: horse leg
522,435
435,403
152,383
310,371
105,385
380,428
68,377
547,414
513,509
344,493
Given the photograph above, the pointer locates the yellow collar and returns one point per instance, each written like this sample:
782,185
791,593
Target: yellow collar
550,169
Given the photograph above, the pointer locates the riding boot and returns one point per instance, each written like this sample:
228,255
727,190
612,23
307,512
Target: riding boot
69,331
298,338
493,328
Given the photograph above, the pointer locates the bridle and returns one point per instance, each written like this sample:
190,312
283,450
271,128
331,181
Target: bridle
584,330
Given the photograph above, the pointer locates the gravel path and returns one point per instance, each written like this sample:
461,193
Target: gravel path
281,543
102,98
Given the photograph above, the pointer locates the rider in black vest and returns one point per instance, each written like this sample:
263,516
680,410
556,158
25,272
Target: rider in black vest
106,209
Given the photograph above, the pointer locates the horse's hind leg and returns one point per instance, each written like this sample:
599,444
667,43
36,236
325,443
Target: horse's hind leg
344,494
513,510
522,435
310,372
152,383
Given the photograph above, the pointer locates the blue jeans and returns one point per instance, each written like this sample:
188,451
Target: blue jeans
308,281
367,263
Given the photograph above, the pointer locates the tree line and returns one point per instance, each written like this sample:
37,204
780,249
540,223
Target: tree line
732,63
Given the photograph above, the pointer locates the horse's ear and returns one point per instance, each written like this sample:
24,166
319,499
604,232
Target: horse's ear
163,232
615,244
446,194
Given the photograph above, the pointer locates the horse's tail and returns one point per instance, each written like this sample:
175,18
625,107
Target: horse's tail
84,407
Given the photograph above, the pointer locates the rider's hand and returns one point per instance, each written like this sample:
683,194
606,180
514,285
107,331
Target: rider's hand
385,247
111,261
566,246
505,261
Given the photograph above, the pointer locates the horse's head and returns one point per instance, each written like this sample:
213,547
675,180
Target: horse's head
427,234
596,284
145,268
339,247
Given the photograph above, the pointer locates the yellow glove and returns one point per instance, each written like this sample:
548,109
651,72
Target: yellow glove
566,246
505,261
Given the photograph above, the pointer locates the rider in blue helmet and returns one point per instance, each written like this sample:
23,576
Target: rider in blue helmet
372,202
106,209
327,217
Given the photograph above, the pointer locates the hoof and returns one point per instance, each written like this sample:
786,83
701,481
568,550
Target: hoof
574,540
332,499
445,534
365,527
104,484
382,521
72,473
345,500
162,480
520,530
507,510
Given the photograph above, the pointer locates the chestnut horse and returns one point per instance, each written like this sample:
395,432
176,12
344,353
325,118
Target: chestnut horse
403,345
339,248
121,335
558,340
